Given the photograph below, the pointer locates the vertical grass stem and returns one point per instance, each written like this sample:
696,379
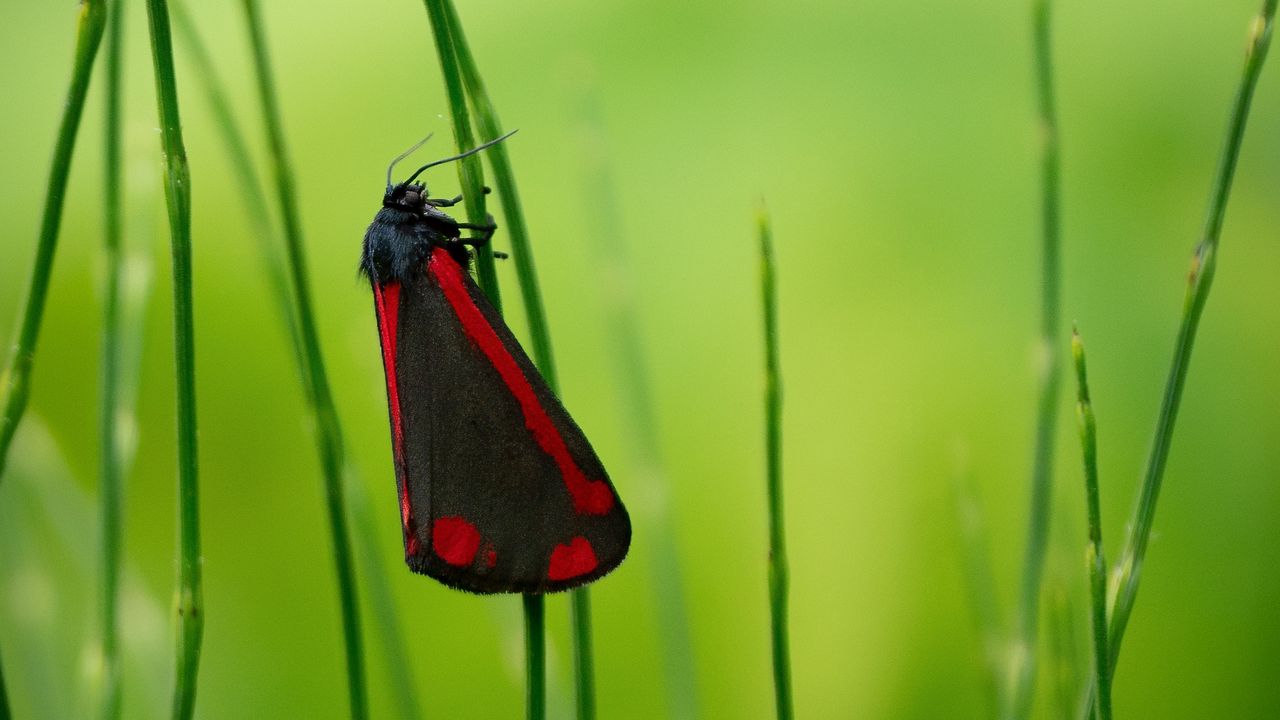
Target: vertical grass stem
1096,559
178,199
1023,667
471,179
486,118
110,469
778,569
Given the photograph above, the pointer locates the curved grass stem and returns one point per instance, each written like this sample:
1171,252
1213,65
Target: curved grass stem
328,432
16,379
178,199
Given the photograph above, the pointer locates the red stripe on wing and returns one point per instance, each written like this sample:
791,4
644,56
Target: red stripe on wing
590,497
386,298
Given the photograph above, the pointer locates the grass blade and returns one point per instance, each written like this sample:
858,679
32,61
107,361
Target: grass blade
778,569
1096,558
1023,660
178,198
486,119
111,469
470,169
471,180
1129,568
328,433
16,380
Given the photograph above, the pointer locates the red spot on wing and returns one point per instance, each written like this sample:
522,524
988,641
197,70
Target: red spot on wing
590,497
572,560
455,540
490,557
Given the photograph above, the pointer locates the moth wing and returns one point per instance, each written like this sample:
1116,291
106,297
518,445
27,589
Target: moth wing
500,490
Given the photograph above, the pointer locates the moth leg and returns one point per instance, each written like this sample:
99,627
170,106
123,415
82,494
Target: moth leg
486,231
441,202
450,202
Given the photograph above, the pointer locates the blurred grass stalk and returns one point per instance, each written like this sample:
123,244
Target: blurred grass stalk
111,470
1022,670
979,580
178,198
1096,559
778,569
1128,571
16,379
650,502
328,432
372,570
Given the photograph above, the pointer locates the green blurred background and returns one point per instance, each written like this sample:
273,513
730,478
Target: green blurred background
896,146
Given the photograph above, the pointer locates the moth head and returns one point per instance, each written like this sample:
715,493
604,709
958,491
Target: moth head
411,197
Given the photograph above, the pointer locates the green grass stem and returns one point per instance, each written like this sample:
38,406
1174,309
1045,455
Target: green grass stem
470,168
190,593
651,514
328,432
490,128
486,119
778,570
16,379
471,180
535,657
1096,559
1023,659
1129,569
110,470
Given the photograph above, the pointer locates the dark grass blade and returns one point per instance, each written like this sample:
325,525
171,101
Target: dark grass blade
471,180
1023,674
328,433
16,380
779,572
490,127
190,600
111,471
1096,559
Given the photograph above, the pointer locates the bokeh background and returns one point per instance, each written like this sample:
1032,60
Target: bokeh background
896,146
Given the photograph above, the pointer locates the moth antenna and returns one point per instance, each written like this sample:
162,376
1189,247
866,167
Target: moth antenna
459,156
404,155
